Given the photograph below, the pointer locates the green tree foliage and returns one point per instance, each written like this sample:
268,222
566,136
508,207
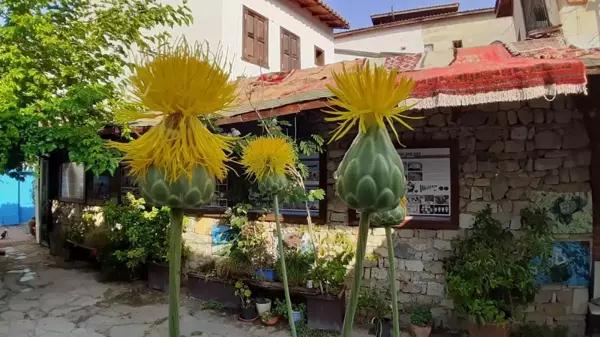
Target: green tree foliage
61,66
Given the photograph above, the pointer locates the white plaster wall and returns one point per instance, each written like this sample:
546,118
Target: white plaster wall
207,25
580,26
281,13
401,39
474,30
519,19
344,57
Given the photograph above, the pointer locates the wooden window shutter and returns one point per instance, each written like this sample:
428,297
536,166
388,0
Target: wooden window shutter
255,38
290,51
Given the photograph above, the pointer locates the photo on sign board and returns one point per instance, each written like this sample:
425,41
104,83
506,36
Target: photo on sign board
570,212
569,264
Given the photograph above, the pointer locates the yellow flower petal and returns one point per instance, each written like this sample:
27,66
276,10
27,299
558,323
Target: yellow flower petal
266,156
370,95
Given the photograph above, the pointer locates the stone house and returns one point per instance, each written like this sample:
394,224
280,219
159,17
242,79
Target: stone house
478,145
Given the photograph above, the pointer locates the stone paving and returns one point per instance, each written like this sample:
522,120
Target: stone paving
43,296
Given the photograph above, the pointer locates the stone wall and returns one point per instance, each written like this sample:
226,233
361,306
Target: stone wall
508,151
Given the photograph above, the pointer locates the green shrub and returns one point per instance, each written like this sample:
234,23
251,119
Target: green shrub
491,273
421,317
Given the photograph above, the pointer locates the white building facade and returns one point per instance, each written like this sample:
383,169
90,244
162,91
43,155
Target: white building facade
264,36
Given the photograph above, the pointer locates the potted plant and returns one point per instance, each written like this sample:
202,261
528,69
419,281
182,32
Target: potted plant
421,321
212,282
248,311
491,274
263,305
269,318
375,304
326,310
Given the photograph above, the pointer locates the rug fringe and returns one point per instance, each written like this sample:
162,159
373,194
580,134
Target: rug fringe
549,91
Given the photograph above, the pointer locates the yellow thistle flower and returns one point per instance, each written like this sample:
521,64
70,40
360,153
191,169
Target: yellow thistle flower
181,83
267,156
369,95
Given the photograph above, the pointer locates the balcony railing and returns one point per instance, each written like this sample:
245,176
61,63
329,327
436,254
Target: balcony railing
536,14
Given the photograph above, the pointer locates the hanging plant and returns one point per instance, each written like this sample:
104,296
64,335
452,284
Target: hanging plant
370,178
178,162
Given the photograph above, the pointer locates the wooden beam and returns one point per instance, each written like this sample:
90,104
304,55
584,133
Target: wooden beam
279,111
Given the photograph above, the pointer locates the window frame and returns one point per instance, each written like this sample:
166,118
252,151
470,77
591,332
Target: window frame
428,45
265,63
81,200
317,49
435,224
455,42
282,32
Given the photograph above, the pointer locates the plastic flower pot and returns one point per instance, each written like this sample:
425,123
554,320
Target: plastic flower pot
267,274
248,314
271,321
263,307
420,331
297,315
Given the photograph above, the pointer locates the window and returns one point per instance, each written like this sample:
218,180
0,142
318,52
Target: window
255,40
457,44
72,182
220,200
128,184
312,182
319,57
536,14
428,47
431,171
98,189
290,50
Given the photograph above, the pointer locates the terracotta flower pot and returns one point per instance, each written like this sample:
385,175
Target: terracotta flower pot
489,330
420,331
271,321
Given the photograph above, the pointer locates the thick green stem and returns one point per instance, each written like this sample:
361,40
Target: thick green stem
392,268
361,247
175,270
286,288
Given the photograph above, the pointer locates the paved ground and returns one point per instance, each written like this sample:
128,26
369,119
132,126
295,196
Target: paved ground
42,296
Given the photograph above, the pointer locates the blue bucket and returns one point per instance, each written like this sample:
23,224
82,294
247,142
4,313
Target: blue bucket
268,274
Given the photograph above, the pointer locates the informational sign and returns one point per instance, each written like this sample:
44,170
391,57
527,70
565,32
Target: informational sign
428,179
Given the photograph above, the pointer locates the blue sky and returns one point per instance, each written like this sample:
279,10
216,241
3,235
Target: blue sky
358,11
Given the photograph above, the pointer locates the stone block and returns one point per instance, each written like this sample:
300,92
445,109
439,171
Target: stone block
481,182
515,193
509,105
489,134
509,165
579,174
551,180
428,256
412,287
441,244
525,116
499,188
511,117
506,206
476,193
469,166
204,226
548,140
535,182
419,244
575,137
564,175
405,233
564,296
563,116
497,147
476,206
515,223
464,192
519,182
426,234
403,250
379,273
518,133
514,146
437,120
367,273
472,118
435,289
519,205
543,164
414,265
539,103
486,166
466,220
538,116
580,301
435,267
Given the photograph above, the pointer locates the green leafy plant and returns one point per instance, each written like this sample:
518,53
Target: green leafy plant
535,330
213,305
136,235
244,293
267,315
421,317
280,308
491,273
62,85
299,265
334,255
374,302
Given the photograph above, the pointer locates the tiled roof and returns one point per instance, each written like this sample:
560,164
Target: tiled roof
324,12
412,21
414,13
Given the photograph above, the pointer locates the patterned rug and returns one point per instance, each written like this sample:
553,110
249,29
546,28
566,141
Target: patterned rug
491,74
551,48
402,63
